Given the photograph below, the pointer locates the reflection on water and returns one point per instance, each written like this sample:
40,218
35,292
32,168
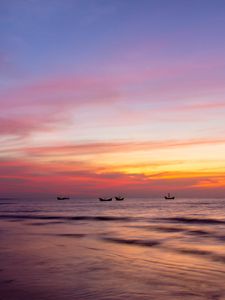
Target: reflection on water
136,249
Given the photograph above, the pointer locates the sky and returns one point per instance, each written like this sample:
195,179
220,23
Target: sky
106,97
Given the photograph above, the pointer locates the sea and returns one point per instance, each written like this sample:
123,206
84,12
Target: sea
136,249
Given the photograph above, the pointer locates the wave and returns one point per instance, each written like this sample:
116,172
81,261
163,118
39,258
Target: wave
69,218
154,243
195,251
23,211
71,235
169,229
195,220
188,231
209,254
146,243
45,223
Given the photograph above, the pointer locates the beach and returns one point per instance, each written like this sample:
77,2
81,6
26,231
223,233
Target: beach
133,249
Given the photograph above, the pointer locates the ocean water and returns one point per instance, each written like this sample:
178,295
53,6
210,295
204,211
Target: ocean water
135,249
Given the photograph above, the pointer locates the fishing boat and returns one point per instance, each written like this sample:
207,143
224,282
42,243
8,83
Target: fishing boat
119,198
105,199
63,198
168,197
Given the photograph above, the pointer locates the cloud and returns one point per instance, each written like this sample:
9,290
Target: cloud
117,147
160,93
24,176
164,83
24,124
166,93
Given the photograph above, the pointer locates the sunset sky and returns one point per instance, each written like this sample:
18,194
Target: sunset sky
105,97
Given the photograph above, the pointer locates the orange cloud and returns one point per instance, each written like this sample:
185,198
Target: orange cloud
23,177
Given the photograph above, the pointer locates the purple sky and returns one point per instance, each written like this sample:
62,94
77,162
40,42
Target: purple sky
101,96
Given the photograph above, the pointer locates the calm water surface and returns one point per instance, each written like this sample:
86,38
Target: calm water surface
134,249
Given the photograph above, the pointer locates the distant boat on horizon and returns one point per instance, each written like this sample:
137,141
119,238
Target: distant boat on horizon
168,197
105,199
63,198
119,198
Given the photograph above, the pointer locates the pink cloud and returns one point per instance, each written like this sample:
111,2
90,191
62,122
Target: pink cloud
117,146
41,103
26,123
163,83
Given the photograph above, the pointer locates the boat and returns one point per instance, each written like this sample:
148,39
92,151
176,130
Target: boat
63,198
168,197
119,198
105,199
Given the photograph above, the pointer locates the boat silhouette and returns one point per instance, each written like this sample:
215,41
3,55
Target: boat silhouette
168,197
105,199
119,198
63,198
